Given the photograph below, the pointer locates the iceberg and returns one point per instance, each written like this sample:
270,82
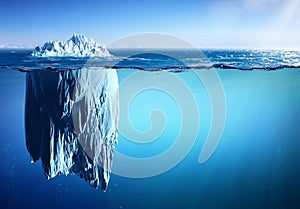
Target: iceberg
71,122
76,46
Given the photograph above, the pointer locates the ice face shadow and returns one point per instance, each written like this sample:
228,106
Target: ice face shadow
71,122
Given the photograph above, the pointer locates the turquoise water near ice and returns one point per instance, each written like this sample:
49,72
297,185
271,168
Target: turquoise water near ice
256,164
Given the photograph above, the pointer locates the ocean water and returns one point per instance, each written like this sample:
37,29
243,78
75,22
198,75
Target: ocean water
247,101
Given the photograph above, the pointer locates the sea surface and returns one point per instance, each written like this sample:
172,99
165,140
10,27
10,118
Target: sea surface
239,108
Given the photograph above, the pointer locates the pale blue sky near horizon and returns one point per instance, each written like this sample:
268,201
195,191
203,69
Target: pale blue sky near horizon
205,24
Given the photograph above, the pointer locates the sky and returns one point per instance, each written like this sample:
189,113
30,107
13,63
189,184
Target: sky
203,23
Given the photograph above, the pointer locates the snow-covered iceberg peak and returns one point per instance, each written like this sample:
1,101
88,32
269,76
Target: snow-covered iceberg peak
76,46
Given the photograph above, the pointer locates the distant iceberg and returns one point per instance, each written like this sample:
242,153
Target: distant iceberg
76,46
71,122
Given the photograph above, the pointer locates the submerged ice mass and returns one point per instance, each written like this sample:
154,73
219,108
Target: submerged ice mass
71,122
76,46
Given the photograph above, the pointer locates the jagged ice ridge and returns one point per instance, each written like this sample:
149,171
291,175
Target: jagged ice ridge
76,46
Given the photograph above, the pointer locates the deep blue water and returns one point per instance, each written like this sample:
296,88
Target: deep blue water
255,165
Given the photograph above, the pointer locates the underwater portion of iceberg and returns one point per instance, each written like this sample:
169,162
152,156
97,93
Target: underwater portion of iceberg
76,46
71,122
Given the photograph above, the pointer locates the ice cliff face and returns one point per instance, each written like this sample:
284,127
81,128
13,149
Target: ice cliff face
76,46
71,122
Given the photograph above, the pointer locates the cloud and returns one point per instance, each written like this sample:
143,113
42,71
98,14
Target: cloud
257,5
11,46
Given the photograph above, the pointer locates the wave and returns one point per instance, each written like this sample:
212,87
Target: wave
173,61
223,66
166,68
